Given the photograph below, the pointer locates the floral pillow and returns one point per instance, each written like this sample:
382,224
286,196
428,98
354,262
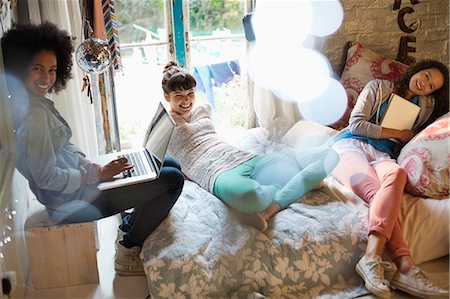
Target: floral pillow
426,160
362,65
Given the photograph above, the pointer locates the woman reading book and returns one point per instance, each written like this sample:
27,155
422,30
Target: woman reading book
368,167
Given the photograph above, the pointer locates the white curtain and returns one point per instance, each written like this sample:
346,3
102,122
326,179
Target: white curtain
7,143
74,105
274,115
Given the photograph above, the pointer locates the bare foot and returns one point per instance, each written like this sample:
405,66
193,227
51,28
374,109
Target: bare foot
318,186
271,210
256,220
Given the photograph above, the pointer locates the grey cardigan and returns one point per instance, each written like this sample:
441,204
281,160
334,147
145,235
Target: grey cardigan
369,101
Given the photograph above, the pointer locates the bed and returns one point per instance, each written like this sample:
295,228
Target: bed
311,248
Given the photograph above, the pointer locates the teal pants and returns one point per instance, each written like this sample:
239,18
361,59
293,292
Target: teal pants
283,177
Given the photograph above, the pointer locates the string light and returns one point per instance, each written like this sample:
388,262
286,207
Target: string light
7,231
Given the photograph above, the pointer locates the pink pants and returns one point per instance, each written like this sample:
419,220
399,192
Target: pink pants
380,182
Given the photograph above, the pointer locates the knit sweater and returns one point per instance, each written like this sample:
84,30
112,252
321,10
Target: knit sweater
200,151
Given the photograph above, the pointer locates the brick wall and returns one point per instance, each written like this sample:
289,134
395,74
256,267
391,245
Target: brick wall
374,23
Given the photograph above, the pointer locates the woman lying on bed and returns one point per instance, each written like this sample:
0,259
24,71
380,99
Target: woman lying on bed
258,186
368,167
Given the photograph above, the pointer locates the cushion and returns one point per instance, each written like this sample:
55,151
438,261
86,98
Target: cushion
426,160
362,65
425,225
307,134
418,218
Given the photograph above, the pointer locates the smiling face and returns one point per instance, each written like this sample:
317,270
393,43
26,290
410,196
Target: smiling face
41,73
425,82
181,101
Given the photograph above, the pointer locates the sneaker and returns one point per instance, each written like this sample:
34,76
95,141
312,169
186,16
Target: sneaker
371,271
127,261
120,234
255,220
389,271
417,283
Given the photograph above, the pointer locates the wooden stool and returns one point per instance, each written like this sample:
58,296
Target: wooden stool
60,255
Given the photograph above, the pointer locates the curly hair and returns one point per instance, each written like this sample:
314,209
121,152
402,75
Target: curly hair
441,95
176,78
22,43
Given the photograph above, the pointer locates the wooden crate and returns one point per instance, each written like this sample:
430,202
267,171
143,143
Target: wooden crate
62,255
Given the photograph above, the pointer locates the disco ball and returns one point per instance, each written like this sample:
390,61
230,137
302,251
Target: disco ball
93,55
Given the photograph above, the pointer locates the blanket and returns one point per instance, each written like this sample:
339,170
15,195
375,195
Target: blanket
309,250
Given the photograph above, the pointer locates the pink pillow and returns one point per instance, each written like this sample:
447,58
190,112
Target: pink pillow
426,160
362,65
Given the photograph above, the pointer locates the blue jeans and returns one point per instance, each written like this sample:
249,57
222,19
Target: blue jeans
151,201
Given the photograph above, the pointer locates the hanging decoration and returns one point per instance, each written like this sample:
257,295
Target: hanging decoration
87,84
112,32
93,55
5,16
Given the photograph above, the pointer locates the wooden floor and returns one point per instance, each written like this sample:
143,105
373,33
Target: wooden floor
114,287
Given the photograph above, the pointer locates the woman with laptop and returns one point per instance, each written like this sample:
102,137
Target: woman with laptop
257,186
38,61
367,166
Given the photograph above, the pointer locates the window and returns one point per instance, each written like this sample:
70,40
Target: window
218,58
143,42
214,52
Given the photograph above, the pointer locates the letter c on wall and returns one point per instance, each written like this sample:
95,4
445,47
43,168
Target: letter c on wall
401,20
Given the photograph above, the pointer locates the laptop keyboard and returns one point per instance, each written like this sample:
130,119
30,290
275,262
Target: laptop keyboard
138,169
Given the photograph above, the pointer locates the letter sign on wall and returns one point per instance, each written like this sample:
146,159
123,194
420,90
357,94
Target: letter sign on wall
406,40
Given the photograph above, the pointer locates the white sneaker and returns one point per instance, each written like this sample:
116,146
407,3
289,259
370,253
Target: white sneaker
417,283
371,271
127,261
120,234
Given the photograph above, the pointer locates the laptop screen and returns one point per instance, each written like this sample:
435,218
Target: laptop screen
159,134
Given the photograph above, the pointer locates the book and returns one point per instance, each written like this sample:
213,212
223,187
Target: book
400,114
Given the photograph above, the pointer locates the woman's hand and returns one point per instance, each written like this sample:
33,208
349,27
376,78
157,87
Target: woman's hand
113,168
402,135
405,135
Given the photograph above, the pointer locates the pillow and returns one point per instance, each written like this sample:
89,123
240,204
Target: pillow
426,160
425,225
362,65
307,134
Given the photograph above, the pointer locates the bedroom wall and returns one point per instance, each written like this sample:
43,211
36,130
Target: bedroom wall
375,24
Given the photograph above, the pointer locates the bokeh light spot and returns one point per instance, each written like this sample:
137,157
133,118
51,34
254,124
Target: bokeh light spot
327,17
328,107
284,22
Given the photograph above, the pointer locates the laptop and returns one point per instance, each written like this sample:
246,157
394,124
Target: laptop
401,114
147,160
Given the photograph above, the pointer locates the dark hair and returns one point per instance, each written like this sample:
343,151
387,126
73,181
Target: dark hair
176,78
440,95
21,44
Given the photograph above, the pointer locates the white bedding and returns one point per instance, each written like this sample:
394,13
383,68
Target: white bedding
309,251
